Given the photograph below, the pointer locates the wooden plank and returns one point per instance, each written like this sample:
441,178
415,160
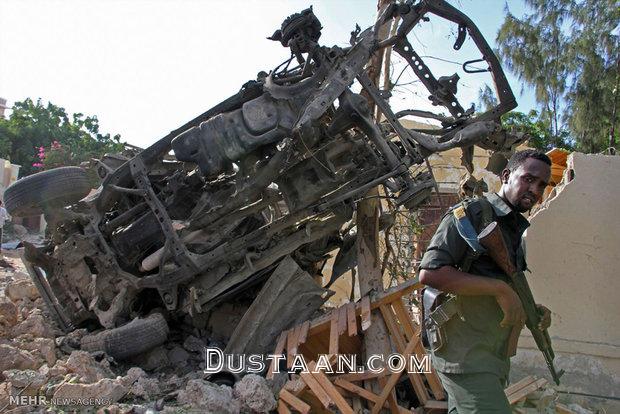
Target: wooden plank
362,376
399,341
316,389
303,335
411,330
351,319
282,408
523,392
356,404
342,320
291,345
365,313
396,292
278,351
393,380
333,393
294,402
436,405
524,382
364,393
333,333
322,322
405,319
391,400
562,409
296,339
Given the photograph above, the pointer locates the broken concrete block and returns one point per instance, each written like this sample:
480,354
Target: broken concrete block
8,313
132,376
204,396
146,388
25,378
34,325
108,389
14,358
21,289
254,394
83,364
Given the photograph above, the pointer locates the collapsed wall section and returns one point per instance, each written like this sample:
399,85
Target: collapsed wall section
573,250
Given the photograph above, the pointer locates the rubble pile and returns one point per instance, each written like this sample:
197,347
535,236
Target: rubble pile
37,359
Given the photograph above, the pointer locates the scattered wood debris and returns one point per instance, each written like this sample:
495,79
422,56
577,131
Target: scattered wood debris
339,333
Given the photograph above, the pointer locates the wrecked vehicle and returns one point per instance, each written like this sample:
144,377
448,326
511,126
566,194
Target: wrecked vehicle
272,172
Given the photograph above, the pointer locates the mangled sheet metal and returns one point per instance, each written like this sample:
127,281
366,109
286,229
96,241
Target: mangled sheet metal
273,171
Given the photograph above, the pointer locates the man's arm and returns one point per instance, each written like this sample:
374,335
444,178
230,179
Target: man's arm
451,280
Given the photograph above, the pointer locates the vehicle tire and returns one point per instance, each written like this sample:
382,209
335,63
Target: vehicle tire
59,187
131,339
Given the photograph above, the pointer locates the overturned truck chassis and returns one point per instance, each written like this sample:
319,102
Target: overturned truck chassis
271,172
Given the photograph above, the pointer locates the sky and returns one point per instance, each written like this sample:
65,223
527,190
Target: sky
145,67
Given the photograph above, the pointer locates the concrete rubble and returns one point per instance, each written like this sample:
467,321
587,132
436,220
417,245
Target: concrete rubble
37,359
41,361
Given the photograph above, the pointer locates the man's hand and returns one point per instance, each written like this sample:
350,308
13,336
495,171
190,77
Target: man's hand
545,317
511,305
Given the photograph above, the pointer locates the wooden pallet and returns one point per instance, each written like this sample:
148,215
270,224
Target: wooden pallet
340,332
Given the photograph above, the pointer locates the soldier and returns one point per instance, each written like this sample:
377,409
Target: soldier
480,308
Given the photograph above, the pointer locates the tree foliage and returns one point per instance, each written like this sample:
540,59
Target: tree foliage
38,136
538,130
568,52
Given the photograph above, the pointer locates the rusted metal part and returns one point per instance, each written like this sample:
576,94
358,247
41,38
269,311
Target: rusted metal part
273,171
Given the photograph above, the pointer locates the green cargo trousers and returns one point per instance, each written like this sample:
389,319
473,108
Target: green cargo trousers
477,393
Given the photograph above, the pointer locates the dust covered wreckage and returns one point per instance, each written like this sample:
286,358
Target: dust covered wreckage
271,173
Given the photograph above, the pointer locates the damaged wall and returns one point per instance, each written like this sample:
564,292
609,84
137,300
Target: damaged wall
572,250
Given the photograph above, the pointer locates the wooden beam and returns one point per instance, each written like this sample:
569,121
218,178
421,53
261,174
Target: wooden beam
392,381
365,313
316,389
399,341
523,382
282,408
361,376
364,393
351,319
523,392
436,405
391,400
342,319
303,335
333,333
329,388
411,331
321,323
294,402
291,345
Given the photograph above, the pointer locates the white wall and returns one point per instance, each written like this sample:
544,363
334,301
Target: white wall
573,250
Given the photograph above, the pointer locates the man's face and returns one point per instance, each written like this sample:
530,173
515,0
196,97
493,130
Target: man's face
525,186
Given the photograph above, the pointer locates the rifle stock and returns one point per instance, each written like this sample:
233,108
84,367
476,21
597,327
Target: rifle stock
492,239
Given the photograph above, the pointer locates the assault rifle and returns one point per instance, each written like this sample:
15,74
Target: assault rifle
491,238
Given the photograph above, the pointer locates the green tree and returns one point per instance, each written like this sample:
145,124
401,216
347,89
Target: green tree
541,134
568,52
32,126
538,130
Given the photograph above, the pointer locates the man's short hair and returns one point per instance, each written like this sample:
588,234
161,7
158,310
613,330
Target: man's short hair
519,158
